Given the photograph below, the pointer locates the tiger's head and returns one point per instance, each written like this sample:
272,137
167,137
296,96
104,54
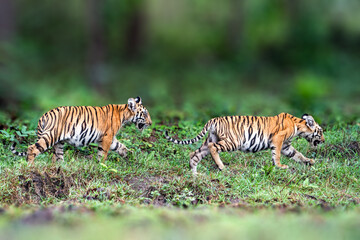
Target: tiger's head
311,131
140,115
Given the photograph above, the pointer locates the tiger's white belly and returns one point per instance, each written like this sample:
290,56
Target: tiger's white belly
254,144
83,137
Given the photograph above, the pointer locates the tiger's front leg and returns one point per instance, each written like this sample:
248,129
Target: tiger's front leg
119,148
276,147
292,153
104,147
58,152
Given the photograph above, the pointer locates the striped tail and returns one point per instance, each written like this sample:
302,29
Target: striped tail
12,148
191,141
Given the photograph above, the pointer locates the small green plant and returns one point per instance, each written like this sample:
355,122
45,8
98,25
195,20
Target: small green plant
306,184
11,134
8,135
184,198
267,169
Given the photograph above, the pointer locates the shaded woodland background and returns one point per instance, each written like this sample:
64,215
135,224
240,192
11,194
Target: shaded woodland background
187,59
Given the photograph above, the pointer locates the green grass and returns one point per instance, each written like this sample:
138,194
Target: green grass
121,194
158,169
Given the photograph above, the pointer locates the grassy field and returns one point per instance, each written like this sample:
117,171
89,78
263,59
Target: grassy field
153,192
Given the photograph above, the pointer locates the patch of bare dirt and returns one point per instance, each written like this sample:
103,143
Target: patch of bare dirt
153,137
36,186
142,183
145,185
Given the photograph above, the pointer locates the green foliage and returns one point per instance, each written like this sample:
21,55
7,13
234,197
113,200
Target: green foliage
11,134
190,60
309,93
8,135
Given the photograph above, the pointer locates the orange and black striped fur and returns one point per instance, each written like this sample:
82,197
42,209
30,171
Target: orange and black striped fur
82,125
252,134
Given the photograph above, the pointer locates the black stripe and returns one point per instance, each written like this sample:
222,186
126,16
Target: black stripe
87,114
46,142
92,137
252,141
250,132
271,135
96,115
78,113
286,147
261,146
257,146
72,132
40,148
83,127
72,111
83,135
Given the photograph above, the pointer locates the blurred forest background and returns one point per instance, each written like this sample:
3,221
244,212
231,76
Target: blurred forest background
187,59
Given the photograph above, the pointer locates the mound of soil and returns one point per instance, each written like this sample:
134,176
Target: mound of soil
36,186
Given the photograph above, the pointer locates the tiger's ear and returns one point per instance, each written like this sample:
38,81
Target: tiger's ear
310,122
132,104
138,100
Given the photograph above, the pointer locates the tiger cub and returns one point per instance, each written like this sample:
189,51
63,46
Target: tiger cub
252,134
82,125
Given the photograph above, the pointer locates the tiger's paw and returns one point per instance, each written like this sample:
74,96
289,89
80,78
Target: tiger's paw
283,166
123,152
222,167
310,161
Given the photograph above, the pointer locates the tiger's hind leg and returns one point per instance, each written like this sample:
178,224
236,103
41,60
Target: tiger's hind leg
292,153
195,157
58,152
35,149
215,149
